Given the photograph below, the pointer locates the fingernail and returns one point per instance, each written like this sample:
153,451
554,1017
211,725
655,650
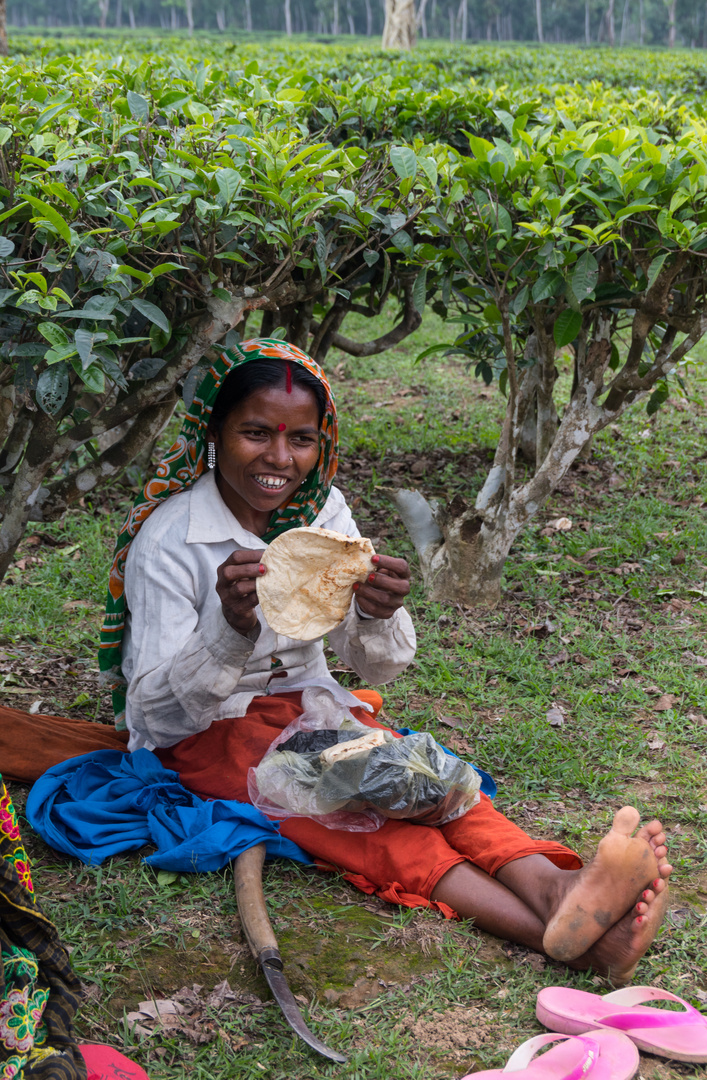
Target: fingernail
261,569
375,558
356,587
371,577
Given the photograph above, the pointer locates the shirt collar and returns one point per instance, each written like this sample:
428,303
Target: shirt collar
210,520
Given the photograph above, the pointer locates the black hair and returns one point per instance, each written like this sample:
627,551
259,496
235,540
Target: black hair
247,379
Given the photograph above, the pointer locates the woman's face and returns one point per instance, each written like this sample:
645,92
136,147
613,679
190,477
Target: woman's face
267,446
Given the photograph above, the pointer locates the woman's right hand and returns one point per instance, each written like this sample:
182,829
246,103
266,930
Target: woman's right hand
236,588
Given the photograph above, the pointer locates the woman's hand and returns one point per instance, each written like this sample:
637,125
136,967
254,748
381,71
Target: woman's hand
385,590
236,588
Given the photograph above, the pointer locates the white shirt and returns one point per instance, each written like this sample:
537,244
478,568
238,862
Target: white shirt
185,665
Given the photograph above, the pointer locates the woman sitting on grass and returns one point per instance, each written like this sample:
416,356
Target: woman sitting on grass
210,684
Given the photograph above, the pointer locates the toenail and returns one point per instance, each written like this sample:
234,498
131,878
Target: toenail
656,883
646,895
639,919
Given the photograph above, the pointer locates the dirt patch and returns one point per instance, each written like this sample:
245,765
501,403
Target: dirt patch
456,1033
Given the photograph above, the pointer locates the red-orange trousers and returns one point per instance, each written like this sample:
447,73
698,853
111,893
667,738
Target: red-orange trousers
401,862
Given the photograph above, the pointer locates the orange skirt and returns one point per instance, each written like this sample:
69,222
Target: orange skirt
401,862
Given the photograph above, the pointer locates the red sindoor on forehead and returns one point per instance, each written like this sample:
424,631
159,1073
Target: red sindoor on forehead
282,427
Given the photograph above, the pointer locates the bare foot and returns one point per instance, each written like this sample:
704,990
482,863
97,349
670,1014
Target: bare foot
617,953
602,892
653,833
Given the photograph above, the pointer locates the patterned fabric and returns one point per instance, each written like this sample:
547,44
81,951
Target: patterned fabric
38,991
184,463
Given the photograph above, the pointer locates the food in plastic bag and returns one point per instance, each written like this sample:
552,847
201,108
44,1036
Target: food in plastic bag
328,765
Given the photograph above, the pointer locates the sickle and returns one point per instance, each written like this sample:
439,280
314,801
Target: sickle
248,879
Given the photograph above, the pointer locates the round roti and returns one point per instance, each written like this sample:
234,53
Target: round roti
308,586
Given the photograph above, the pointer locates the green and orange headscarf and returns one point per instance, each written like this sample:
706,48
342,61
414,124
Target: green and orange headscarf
182,466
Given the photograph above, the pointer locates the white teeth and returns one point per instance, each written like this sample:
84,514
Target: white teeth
275,482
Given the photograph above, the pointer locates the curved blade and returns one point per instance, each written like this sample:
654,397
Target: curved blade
248,879
291,1011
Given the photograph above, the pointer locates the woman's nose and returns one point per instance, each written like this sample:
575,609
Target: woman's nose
278,452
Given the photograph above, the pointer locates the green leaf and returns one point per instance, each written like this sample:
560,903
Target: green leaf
370,257
84,346
139,106
153,313
403,242
655,267
404,161
519,301
657,398
166,877
146,368
548,284
52,216
584,276
53,334
567,326
419,290
6,247
92,377
320,249
52,388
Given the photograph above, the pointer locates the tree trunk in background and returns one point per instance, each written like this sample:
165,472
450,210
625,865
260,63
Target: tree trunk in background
624,18
131,17
369,19
103,6
539,19
119,14
641,23
611,37
221,19
399,30
335,20
463,18
421,19
3,29
288,18
190,15
248,16
587,27
671,24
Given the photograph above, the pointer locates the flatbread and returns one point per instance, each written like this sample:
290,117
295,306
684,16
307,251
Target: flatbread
308,586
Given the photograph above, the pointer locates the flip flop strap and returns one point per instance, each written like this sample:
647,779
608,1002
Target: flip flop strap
525,1053
631,996
635,1021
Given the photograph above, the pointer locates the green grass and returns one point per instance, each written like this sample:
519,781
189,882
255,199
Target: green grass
604,636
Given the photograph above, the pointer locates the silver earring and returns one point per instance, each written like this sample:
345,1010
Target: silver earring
211,455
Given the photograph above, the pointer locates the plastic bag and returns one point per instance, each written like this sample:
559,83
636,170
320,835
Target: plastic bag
315,768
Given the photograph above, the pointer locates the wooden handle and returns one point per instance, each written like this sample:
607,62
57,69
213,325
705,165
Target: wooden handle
248,879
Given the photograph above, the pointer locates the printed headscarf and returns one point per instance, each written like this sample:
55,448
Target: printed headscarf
182,466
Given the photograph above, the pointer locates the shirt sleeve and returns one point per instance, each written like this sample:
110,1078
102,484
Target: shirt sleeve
377,649
184,666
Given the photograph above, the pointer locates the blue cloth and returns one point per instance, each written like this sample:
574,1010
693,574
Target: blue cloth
488,784
108,802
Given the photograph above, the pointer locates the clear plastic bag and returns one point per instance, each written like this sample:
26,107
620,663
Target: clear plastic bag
316,768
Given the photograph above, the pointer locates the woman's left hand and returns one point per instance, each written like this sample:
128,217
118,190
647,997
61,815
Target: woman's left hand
384,590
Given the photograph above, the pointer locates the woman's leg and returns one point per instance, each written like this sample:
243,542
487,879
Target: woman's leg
604,916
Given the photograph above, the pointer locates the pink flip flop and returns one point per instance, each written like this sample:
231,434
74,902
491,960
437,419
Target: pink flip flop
103,1062
679,1035
604,1055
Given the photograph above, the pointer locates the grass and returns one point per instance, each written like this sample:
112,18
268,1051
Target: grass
606,621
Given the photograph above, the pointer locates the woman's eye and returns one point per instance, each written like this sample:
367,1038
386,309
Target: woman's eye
304,440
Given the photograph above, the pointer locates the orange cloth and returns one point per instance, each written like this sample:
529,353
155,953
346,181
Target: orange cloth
401,862
29,745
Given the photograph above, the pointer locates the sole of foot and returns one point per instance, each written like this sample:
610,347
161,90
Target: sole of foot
603,891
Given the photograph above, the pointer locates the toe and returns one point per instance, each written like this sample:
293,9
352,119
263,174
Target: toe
626,820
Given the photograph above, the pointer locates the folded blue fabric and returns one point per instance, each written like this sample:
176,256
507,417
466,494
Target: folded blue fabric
108,802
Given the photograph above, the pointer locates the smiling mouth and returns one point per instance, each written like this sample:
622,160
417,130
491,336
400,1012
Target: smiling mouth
271,483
